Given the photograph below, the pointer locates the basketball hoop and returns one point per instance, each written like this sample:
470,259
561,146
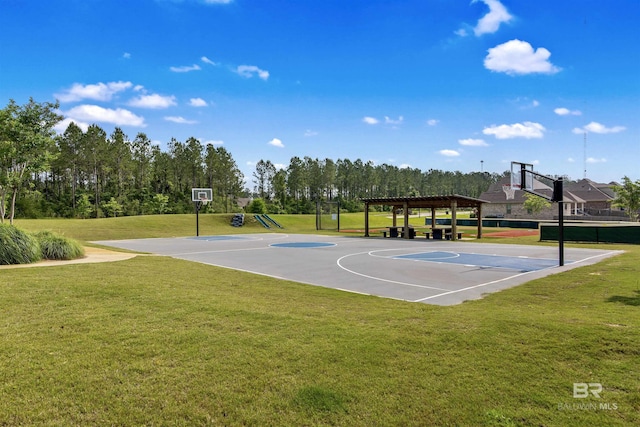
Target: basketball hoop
201,195
509,191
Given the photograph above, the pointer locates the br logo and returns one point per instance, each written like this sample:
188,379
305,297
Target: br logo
582,390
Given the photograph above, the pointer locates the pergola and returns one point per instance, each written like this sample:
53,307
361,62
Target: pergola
452,202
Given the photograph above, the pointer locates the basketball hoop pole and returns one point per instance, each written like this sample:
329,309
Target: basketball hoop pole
197,207
558,189
199,197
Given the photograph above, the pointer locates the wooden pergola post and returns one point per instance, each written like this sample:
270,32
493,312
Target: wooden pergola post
394,208
433,217
405,211
454,226
366,219
479,215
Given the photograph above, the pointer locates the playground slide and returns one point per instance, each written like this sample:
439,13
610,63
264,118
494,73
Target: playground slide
273,221
261,221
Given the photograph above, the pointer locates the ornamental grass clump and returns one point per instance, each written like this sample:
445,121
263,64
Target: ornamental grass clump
57,247
17,246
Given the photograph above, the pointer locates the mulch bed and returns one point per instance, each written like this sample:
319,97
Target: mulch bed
512,233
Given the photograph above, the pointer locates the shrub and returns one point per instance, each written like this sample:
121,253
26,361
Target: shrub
57,247
257,206
17,246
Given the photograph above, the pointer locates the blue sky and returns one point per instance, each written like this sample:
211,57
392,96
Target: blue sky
442,84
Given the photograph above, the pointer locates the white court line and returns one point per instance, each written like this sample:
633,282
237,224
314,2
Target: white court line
252,272
218,251
378,278
511,277
453,255
478,286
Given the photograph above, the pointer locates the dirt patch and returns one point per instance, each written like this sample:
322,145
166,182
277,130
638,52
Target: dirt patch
91,255
512,233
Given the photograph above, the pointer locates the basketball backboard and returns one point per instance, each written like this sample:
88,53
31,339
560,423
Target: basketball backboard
522,176
201,195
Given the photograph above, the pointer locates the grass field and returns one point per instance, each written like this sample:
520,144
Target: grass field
158,341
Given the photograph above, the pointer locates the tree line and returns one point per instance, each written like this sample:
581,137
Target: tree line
295,188
90,173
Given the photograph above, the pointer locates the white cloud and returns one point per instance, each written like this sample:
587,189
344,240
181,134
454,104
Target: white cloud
391,121
461,32
595,127
249,71
449,153
153,101
370,120
217,1
197,102
594,160
280,166
535,103
126,55
433,122
276,143
97,92
310,132
95,113
180,120
526,130
566,112
62,126
473,142
404,166
490,22
185,68
571,160
208,61
519,57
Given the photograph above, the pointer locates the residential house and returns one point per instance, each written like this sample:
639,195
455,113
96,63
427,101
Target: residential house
582,199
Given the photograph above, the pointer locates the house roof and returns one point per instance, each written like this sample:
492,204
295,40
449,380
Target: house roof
590,191
578,192
495,194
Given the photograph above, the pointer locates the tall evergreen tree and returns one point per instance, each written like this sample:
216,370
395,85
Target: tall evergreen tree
26,147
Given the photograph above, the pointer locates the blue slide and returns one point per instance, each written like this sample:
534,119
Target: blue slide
273,221
261,221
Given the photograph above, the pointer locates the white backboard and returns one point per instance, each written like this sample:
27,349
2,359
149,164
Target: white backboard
516,176
201,194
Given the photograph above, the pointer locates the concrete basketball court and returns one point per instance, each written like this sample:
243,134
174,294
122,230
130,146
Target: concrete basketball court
417,270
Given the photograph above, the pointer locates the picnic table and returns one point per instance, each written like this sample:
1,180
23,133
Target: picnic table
439,233
399,232
443,233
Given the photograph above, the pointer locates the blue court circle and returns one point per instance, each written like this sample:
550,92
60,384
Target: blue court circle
303,245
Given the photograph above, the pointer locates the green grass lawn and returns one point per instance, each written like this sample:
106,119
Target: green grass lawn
158,341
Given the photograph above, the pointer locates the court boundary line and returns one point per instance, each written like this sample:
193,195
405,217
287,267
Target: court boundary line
499,267
442,260
517,275
379,278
